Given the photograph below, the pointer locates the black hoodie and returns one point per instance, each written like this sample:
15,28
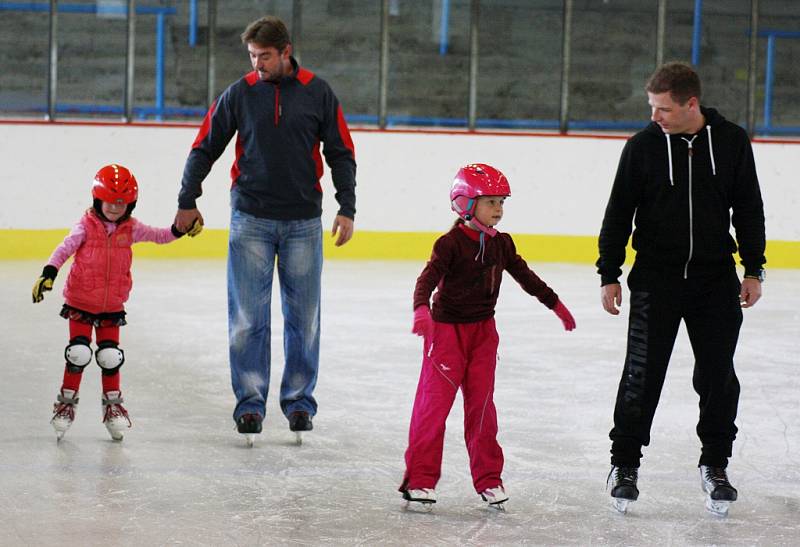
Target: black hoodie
656,176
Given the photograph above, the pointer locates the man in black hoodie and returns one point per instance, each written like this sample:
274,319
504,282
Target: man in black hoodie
681,181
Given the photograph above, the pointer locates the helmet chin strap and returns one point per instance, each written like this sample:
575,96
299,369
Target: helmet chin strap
491,232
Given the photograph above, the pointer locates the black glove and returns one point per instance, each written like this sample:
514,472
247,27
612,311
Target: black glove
44,283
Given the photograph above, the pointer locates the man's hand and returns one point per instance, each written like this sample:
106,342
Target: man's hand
611,297
750,293
344,226
185,221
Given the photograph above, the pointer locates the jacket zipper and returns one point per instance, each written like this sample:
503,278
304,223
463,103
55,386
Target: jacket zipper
108,269
277,104
690,153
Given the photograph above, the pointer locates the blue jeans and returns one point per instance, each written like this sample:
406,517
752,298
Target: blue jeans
253,247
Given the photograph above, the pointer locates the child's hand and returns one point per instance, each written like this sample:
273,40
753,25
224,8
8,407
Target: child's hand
563,313
44,283
423,324
195,229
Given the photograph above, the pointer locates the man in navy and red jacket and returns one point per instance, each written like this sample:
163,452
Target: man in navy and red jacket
280,114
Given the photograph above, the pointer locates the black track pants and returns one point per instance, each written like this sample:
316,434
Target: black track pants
710,308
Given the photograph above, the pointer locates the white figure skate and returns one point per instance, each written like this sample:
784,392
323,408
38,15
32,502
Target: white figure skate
115,417
64,412
495,497
422,498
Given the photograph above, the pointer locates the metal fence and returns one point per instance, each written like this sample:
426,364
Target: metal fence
562,65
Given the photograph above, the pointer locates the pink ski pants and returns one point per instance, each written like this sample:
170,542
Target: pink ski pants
460,355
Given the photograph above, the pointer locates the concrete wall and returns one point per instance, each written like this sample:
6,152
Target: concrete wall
559,184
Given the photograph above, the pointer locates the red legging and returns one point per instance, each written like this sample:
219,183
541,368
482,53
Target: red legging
72,380
460,355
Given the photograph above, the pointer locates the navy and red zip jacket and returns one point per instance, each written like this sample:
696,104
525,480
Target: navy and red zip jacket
279,128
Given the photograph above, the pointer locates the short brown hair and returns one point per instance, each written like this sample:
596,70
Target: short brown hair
679,79
269,31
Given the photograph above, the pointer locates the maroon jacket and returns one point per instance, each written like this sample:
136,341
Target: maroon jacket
467,285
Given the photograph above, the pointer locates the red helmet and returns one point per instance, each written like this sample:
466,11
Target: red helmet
472,181
115,184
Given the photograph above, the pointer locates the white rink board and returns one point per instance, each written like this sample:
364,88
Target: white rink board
560,185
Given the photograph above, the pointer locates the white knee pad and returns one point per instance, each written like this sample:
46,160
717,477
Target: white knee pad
109,356
78,353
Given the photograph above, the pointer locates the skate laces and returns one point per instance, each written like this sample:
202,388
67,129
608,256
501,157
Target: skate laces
625,476
115,410
64,410
717,476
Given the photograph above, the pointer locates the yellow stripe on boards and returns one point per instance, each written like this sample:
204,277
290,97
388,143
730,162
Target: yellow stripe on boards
365,245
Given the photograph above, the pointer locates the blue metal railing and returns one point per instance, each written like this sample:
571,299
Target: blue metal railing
697,31
769,79
159,110
192,23
444,27
101,9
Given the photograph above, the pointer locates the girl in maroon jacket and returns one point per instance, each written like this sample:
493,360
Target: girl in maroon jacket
96,290
460,339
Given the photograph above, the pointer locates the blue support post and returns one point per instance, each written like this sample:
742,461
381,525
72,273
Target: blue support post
770,78
193,23
160,65
444,25
697,31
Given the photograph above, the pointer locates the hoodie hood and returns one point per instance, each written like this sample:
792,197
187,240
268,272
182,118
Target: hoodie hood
712,120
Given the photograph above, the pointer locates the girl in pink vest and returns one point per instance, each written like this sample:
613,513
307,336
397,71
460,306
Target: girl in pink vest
460,339
96,290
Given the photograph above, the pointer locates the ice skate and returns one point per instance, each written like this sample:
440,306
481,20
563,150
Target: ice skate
720,492
249,425
64,412
622,484
114,414
422,498
300,421
495,497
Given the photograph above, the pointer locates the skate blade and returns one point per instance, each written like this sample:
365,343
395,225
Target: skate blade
419,506
116,436
718,507
59,436
498,506
250,439
298,438
621,504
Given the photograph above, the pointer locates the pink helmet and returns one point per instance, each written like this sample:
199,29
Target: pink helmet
472,181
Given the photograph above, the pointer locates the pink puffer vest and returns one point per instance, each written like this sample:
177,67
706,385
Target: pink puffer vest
100,278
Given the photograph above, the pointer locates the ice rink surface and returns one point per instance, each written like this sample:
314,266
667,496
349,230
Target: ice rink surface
183,476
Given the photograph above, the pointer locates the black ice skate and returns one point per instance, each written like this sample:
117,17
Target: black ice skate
714,481
249,425
300,421
622,483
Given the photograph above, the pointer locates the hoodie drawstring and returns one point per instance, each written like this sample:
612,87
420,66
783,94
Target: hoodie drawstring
669,158
711,151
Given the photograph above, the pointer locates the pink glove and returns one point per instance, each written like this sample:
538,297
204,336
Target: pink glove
563,313
423,324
